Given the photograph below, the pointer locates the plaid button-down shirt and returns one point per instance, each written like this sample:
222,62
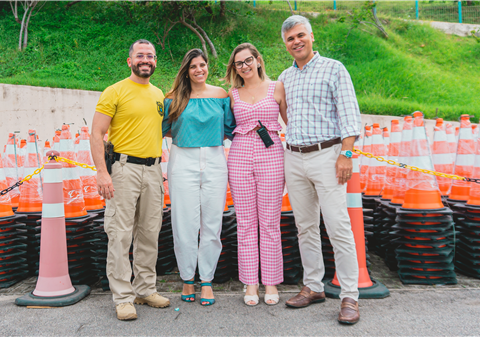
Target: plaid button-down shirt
321,102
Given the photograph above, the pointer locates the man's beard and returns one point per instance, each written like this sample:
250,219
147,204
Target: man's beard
136,70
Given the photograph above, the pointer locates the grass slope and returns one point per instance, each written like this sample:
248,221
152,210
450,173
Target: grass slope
86,47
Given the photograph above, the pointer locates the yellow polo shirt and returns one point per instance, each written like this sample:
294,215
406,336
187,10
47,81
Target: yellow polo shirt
137,114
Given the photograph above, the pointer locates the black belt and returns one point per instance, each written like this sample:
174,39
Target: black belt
314,147
139,161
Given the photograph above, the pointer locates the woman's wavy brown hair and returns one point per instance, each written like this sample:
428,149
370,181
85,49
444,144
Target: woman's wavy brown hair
181,90
232,77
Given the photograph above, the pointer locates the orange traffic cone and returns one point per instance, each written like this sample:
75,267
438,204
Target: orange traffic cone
358,143
474,197
422,189
366,287
386,139
227,143
403,157
164,165
475,131
284,142
93,201
72,185
376,169
442,158
457,133
54,287
5,202
46,148
31,194
11,163
286,207
23,152
390,170
452,143
56,140
464,161
364,161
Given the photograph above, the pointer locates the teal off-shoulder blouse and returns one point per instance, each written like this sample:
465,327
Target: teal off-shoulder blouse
203,123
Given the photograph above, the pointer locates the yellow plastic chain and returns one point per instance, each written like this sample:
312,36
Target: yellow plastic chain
65,160
27,178
413,168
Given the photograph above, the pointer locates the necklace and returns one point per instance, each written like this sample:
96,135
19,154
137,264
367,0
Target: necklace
248,91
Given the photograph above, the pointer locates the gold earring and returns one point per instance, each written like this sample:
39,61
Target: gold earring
186,76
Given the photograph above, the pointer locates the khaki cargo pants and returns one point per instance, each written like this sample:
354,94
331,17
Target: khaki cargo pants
136,208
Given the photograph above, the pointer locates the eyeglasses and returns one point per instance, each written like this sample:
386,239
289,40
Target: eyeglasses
149,57
248,61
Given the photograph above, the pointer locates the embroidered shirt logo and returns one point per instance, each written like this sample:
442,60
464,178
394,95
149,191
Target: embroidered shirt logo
160,108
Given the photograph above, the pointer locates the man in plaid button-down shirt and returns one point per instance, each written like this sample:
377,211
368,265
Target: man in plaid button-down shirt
323,123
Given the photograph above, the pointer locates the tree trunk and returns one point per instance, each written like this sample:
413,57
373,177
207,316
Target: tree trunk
379,24
291,9
222,8
15,11
212,47
21,29
161,41
186,24
70,4
25,33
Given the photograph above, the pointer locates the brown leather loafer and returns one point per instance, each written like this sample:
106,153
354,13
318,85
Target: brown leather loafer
305,298
349,313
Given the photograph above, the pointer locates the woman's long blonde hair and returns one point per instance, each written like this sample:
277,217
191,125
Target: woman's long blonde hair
181,90
232,77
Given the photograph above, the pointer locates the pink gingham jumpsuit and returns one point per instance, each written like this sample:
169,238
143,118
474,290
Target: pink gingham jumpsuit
256,177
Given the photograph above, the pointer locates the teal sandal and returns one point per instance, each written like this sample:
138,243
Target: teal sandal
187,298
210,301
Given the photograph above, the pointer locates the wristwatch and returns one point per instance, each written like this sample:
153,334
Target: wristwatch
347,153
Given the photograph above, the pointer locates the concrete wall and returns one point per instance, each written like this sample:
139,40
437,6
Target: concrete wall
46,109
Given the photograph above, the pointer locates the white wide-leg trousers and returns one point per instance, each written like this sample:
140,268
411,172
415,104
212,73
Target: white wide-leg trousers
197,179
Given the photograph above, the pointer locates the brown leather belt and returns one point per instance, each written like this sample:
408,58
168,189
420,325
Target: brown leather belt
314,147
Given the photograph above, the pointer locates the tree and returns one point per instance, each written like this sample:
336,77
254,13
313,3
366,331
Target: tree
169,14
366,16
28,9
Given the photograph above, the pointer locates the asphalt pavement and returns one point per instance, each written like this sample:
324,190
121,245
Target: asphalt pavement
415,312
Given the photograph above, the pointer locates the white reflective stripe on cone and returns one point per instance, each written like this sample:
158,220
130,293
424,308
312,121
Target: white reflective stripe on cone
53,210
465,133
465,159
407,135
84,145
164,167
442,158
29,170
439,136
374,162
377,140
423,162
419,133
66,145
354,200
85,172
52,176
395,137
70,173
356,167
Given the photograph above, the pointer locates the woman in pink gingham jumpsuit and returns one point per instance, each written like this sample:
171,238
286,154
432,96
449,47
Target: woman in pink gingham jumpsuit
256,173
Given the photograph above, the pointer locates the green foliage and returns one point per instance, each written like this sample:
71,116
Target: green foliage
86,47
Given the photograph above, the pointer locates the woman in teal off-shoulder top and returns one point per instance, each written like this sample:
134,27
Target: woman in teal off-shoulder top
198,117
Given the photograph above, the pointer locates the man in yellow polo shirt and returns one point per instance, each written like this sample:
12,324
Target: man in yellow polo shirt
132,111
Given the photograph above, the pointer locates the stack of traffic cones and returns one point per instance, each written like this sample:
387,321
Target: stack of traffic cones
11,163
72,185
386,139
467,224
13,267
100,249
227,266
464,161
376,169
166,256
364,161
442,158
393,150
88,177
452,142
292,265
424,226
